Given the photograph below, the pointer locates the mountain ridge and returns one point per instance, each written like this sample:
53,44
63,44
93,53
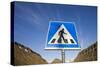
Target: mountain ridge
25,56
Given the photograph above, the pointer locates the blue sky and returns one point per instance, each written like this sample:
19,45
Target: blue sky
31,21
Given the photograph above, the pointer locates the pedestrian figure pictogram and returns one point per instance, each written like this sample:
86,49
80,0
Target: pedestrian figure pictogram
61,36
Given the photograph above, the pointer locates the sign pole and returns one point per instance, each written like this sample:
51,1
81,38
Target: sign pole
63,55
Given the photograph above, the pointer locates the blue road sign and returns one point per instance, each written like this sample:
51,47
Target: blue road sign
62,35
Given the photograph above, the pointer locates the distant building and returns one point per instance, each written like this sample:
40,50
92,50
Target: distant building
88,54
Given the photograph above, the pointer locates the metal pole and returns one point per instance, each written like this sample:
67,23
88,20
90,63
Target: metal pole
63,55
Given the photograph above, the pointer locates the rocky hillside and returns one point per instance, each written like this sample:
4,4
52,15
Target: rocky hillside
56,61
25,56
88,54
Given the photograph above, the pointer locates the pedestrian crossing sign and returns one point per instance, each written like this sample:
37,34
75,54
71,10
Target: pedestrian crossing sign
62,35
